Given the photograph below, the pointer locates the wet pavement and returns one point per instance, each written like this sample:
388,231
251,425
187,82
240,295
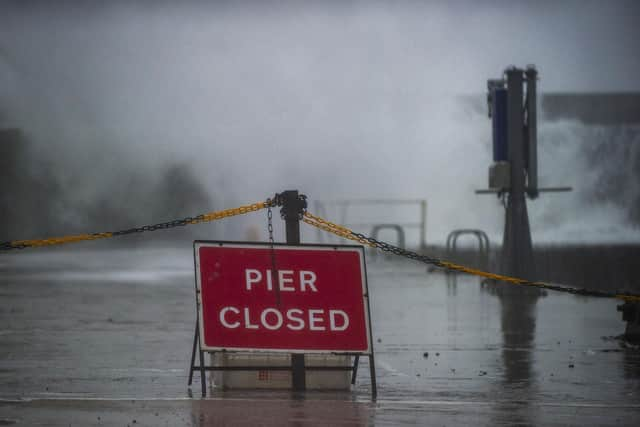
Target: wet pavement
103,337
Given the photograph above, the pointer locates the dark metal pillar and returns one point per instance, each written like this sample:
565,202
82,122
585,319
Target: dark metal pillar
293,206
531,141
631,315
517,250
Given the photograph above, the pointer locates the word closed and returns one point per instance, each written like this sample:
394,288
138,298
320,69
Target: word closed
289,298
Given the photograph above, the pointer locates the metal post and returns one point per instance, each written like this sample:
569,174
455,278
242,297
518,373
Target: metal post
532,132
292,210
631,315
517,250
423,224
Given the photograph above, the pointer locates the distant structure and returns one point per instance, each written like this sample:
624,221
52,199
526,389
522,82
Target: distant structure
514,173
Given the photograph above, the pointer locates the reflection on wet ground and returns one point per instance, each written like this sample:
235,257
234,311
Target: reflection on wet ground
104,338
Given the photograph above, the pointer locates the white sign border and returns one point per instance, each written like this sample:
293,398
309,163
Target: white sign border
197,244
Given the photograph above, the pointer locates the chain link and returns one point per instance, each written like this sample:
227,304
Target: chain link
270,225
450,266
207,217
273,250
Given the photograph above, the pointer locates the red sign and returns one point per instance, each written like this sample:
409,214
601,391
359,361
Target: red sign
304,298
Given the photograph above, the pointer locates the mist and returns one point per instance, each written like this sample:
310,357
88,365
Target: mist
338,100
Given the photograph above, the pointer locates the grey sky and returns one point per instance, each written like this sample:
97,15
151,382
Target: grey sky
335,98
581,45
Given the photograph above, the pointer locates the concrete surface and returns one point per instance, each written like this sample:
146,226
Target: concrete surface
103,337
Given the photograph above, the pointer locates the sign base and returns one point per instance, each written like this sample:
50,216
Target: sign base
276,373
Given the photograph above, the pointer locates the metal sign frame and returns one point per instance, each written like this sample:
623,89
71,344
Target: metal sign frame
200,347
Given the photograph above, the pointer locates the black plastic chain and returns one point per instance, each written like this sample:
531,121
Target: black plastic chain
160,226
7,246
396,250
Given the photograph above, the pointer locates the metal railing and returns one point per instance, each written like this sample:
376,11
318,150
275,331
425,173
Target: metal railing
483,245
345,210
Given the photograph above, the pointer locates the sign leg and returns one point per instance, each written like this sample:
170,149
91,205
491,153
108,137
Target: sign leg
203,379
193,353
356,359
374,386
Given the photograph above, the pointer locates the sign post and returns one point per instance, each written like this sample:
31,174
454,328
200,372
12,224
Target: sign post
292,210
316,301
